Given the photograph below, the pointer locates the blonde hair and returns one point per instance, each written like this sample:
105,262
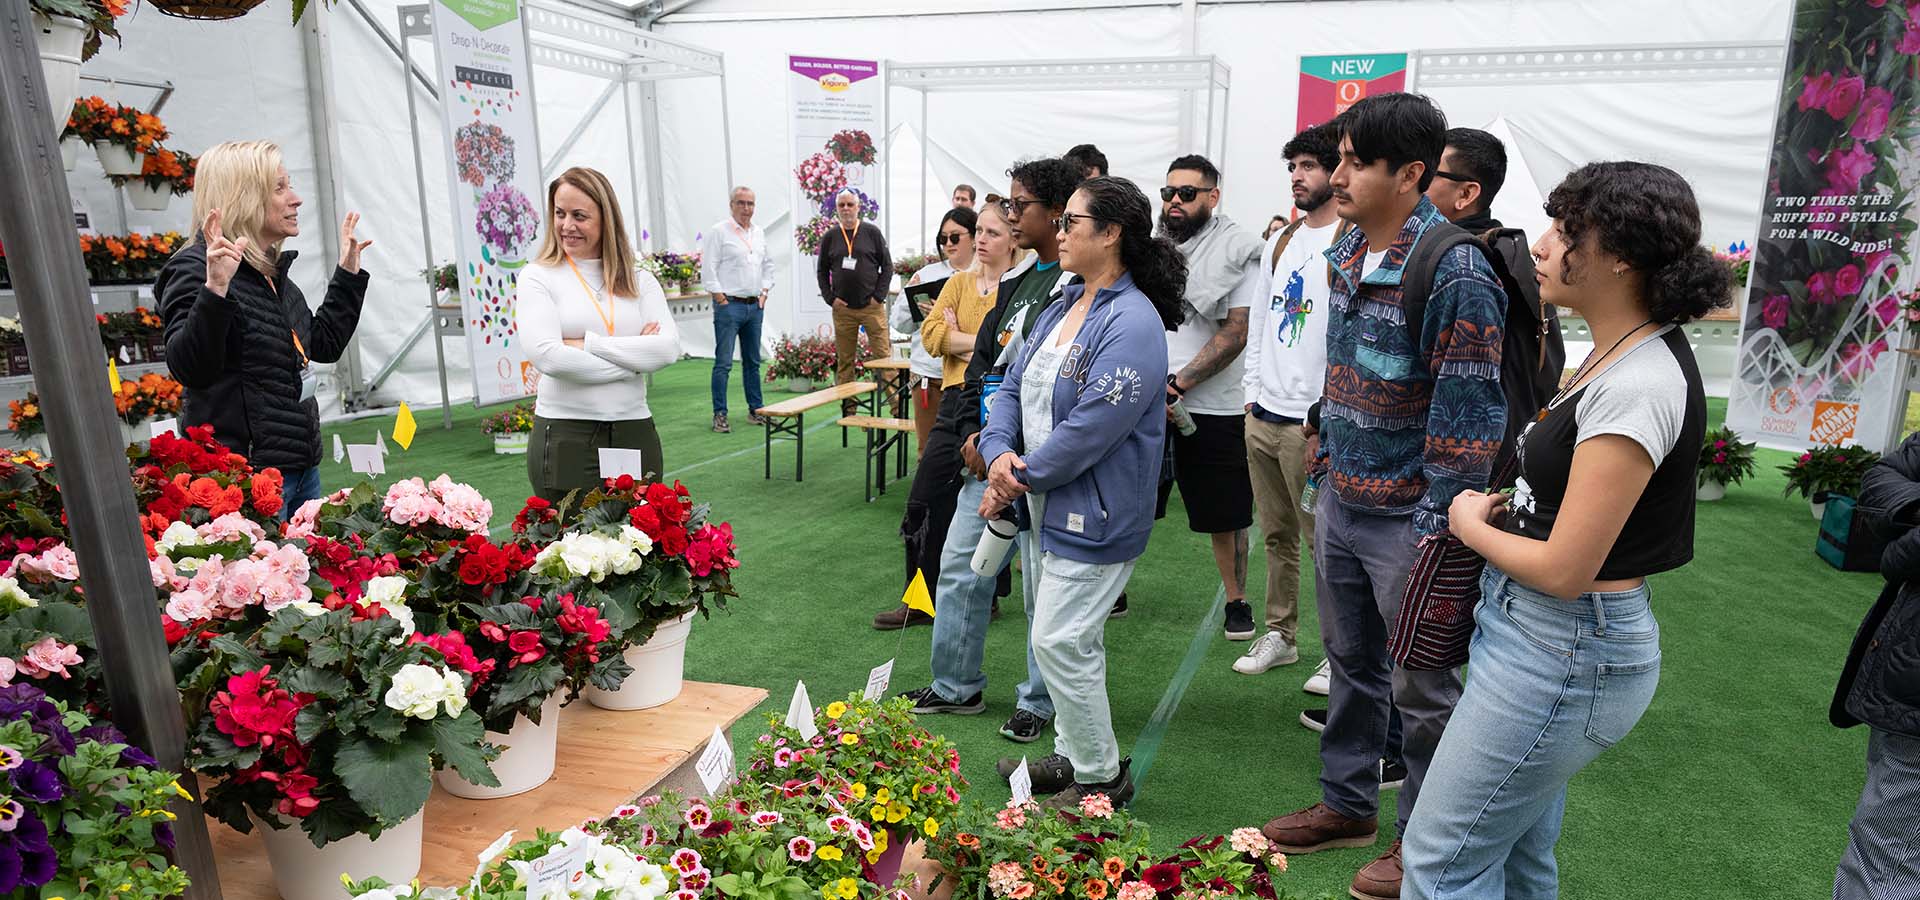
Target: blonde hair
1015,254
616,254
238,178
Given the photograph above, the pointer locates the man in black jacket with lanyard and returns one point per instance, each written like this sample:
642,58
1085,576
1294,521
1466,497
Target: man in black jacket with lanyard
962,599
854,272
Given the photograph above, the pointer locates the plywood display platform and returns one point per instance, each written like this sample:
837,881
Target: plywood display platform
605,758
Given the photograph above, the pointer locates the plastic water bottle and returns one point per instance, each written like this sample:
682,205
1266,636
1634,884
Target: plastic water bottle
1309,494
1182,419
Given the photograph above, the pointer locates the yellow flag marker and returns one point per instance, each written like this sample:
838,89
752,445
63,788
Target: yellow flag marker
113,374
403,428
917,596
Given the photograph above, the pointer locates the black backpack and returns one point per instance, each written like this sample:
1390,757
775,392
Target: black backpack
1533,357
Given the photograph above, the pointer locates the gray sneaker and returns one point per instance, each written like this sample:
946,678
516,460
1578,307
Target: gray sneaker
720,424
1272,649
1051,774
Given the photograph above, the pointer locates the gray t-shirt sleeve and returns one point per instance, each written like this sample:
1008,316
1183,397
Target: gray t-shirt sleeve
1641,397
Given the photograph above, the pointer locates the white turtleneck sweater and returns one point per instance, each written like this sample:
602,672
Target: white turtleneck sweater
605,380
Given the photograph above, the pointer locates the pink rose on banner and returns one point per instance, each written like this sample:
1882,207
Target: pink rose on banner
1846,167
1910,40
1815,90
1773,313
1846,96
1887,309
1847,281
1874,111
1820,289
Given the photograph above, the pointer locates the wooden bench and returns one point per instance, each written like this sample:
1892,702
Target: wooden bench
788,418
883,434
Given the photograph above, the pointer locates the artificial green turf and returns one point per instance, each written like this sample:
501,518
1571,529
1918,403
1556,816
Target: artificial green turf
1733,785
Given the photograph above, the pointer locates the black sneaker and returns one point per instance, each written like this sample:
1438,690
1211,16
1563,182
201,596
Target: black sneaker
1024,728
1119,607
927,701
1239,620
1119,790
1051,773
1392,775
1314,719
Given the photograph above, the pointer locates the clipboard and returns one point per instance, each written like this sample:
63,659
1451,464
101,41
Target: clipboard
928,291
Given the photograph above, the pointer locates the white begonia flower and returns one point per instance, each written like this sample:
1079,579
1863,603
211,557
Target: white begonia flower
386,589
178,534
310,607
456,696
417,691
10,592
636,538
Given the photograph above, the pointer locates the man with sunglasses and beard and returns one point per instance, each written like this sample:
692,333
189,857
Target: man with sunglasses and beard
1203,355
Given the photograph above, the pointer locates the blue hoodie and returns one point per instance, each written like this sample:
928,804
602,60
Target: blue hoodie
1101,465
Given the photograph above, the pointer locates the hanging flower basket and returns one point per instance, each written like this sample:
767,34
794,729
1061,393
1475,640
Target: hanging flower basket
206,9
61,40
143,196
116,159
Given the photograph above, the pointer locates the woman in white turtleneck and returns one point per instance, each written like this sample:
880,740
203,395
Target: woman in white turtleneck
594,326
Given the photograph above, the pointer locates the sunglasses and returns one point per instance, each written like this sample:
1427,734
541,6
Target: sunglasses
1015,208
1185,192
1064,224
1442,173
941,240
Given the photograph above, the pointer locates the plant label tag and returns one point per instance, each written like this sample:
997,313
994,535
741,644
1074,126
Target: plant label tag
1022,783
618,461
126,354
162,426
366,459
715,767
877,680
555,874
800,712
339,449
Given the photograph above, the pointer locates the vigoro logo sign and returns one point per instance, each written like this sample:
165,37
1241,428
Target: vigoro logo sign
834,81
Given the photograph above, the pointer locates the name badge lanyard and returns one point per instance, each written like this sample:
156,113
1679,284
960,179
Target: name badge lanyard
593,297
849,262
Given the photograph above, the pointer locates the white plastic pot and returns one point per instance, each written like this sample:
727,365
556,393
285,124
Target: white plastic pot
1710,490
60,40
302,871
526,757
116,159
140,196
658,667
69,152
1819,508
512,444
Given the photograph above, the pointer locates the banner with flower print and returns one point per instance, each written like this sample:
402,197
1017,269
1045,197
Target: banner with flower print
834,118
493,172
1824,310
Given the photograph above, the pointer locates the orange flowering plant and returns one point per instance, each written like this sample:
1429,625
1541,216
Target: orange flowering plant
127,258
153,396
94,119
23,416
163,169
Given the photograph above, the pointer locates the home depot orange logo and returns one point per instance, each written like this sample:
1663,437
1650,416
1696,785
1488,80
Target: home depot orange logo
1833,422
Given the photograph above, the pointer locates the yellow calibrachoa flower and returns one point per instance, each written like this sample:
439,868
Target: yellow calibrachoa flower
873,856
880,840
829,852
849,739
896,811
878,813
836,709
931,827
847,888
883,795
860,791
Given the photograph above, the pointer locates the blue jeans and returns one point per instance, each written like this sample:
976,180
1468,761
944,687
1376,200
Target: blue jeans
299,486
742,318
1361,562
1551,684
963,605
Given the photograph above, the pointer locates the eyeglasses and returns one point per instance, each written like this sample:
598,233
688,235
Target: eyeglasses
1442,173
1064,224
1015,207
1186,192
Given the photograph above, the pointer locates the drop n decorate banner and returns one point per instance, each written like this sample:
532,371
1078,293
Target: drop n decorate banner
493,167
1330,84
833,115
1827,307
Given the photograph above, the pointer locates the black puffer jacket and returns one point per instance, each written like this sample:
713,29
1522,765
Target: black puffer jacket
1880,684
235,354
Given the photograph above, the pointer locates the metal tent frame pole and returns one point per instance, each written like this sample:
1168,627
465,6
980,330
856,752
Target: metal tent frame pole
1137,73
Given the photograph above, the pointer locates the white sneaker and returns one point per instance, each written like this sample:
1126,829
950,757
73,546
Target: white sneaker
1270,650
1321,681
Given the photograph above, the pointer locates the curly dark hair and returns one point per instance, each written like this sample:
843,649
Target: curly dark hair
1051,179
1158,268
1322,142
1645,215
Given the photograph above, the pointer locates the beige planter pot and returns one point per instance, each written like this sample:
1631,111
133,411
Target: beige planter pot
526,758
302,871
658,668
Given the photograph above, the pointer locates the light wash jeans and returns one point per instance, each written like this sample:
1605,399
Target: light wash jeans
963,606
1071,602
1551,684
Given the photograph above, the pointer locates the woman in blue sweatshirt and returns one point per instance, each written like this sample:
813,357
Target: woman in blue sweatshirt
1076,431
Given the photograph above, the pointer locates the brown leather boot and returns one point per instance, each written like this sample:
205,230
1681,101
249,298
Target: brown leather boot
899,617
1319,827
1380,879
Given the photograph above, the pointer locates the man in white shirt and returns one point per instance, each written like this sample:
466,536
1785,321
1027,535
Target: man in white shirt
737,270
1210,462
1286,367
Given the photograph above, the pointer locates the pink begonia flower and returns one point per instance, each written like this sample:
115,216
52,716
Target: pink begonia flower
1846,168
7,670
284,582
300,524
408,502
188,605
1846,96
160,568
1773,312
55,562
1814,91
231,526
462,507
49,657
1875,109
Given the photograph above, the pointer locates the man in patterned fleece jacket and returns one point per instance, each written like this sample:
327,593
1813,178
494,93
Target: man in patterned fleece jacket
1404,426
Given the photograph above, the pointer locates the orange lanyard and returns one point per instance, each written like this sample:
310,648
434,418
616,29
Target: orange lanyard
844,237
593,297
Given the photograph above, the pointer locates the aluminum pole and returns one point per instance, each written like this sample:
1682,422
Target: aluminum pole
426,228
50,284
